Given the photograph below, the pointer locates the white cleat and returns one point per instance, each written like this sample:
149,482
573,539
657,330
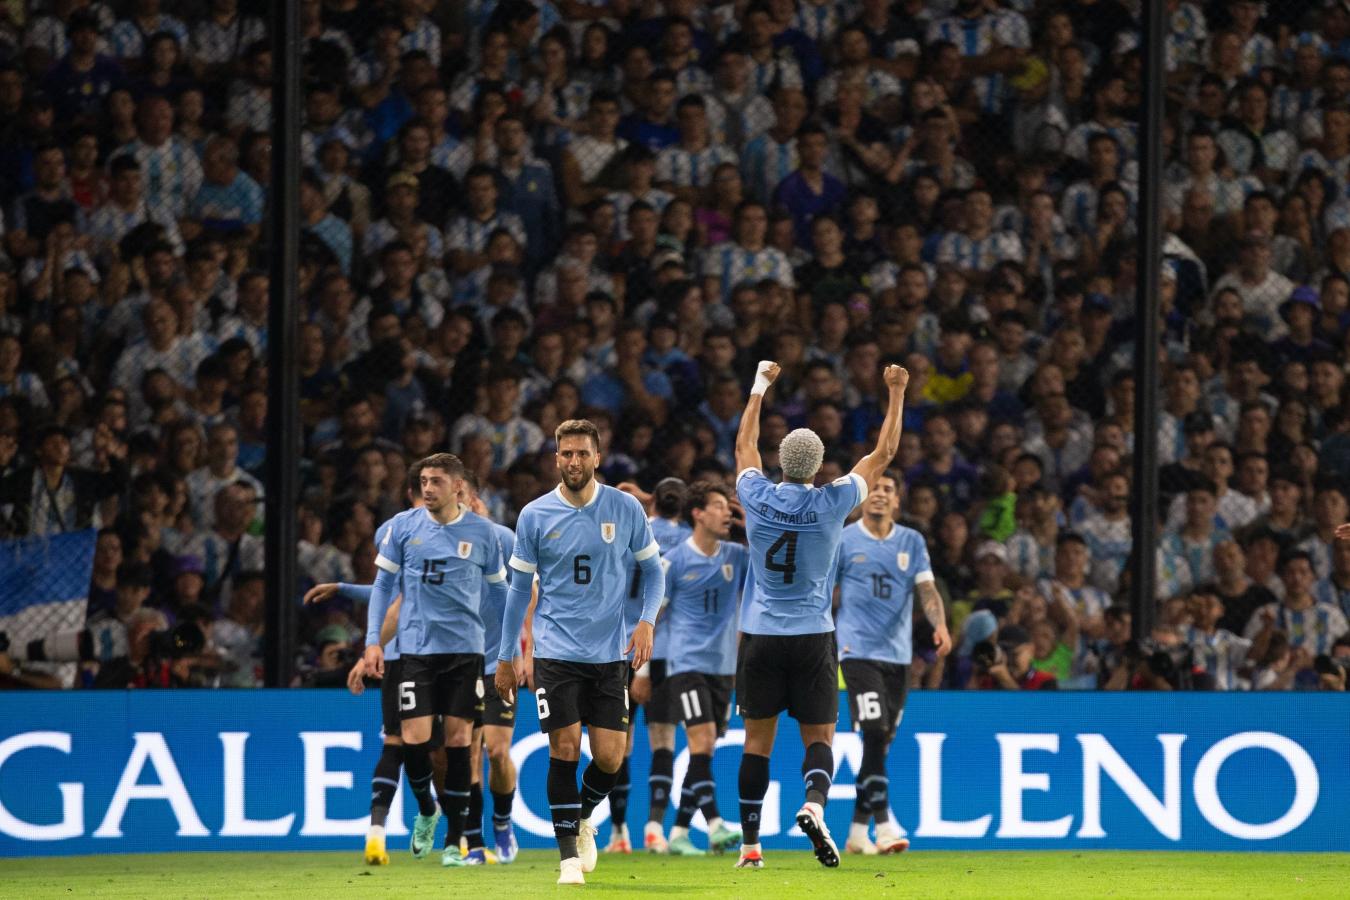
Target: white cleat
812,823
569,872
654,838
889,839
586,846
858,842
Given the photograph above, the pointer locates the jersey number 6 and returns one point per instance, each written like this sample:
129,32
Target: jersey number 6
581,574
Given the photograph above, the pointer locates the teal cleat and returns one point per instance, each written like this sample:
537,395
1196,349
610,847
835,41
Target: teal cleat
723,838
424,834
682,846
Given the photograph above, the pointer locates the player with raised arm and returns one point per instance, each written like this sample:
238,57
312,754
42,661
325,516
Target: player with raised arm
787,653
704,577
446,550
649,688
498,717
389,767
578,539
881,567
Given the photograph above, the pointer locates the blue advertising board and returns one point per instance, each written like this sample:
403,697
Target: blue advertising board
154,771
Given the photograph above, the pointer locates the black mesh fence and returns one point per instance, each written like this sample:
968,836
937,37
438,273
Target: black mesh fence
514,213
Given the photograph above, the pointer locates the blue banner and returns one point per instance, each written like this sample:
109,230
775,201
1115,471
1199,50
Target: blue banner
156,771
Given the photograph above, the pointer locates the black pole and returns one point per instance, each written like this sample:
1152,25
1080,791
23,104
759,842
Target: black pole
283,409
1144,502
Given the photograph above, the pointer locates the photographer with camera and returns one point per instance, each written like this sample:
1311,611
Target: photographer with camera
1160,662
1005,664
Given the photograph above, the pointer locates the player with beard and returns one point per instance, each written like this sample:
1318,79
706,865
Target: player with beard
578,539
786,659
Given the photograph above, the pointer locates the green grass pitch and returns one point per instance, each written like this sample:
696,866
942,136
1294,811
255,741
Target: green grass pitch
316,876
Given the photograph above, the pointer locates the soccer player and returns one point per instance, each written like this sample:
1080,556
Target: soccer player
787,654
881,567
578,538
446,550
649,688
389,767
704,577
498,717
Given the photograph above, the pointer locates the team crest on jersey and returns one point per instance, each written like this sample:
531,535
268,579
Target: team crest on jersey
727,571
607,532
465,548
902,560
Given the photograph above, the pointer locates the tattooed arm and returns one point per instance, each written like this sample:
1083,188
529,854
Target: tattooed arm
936,615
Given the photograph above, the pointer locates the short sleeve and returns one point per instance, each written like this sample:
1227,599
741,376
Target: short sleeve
846,493
749,484
923,566
525,555
641,542
389,547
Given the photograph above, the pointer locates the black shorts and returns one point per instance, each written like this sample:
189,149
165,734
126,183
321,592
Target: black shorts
389,719
495,710
876,694
658,709
700,698
445,684
796,672
589,693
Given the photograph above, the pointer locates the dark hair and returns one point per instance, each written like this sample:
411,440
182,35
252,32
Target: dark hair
699,493
446,462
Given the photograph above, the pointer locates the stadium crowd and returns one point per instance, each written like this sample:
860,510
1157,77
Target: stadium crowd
520,212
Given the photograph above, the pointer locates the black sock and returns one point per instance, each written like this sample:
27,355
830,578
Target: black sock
501,810
455,797
754,784
596,784
384,783
417,763
564,801
473,826
618,796
659,784
817,772
698,790
873,785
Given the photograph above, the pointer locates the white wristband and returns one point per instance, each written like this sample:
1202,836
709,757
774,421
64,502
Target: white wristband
761,382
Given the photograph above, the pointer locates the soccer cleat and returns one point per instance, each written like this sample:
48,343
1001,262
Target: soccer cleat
680,845
569,872
858,841
424,834
454,858
812,824
476,857
723,837
751,858
507,848
653,839
586,851
889,839
618,841
376,854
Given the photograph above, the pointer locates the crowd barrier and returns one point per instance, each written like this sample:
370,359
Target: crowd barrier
157,771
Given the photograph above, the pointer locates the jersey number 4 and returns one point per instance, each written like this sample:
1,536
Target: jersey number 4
787,543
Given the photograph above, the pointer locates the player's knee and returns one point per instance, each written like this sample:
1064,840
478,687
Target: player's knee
661,736
499,753
564,746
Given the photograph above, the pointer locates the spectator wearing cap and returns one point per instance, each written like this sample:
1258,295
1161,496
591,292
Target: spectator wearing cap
1012,669
401,221
188,581
1300,313
990,590
1310,626
50,496
511,435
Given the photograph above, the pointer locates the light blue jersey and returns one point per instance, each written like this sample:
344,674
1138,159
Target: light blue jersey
703,596
582,556
668,533
361,594
494,604
442,569
794,532
877,579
